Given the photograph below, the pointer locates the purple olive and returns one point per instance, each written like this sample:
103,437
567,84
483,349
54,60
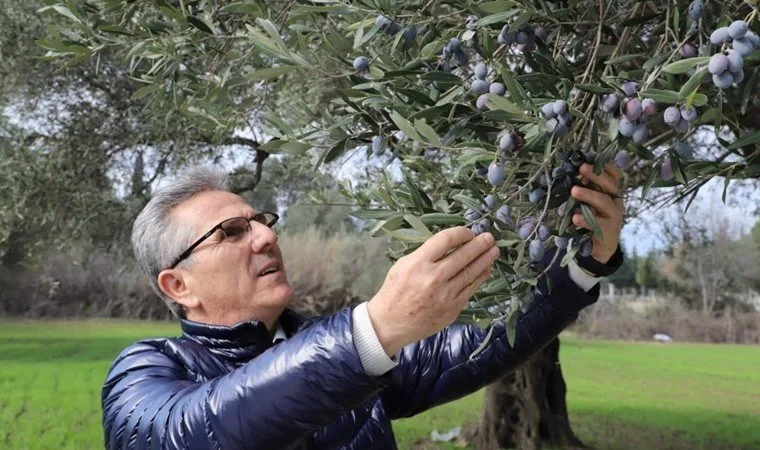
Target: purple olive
471,215
690,114
609,103
488,200
361,63
561,129
536,195
633,109
560,107
735,61
718,64
738,29
497,88
525,230
536,250
480,86
743,46
682,126
481,71
566,119
641,133
720,35
561,242
544,232
502,214
630,88
671,116
454,45
540,32
723,80
752,38
481,102
496,173
626,127
548,110
688,50
666,170
507,142
696,9
506,37
649,106
622,159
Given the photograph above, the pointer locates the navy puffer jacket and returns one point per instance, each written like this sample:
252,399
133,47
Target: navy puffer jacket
230,388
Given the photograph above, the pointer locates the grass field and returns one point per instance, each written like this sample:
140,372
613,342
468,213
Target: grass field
620,395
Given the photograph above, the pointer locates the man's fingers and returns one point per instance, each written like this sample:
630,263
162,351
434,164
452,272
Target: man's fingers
483,262
604,180
580,222
454,262
602,203
442,242
469,290
613,170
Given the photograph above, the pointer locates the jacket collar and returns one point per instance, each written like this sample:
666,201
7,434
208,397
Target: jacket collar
241,342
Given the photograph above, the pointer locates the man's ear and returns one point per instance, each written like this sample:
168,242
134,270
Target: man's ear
172,282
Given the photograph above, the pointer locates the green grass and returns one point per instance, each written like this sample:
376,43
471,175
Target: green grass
620,395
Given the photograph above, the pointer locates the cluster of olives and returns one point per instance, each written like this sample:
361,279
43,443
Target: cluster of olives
635,112
727,67
524,37
559,120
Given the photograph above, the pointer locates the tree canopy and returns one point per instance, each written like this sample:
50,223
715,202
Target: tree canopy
486,109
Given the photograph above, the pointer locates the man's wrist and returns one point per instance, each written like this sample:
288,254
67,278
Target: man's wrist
597,268
581,277
371,352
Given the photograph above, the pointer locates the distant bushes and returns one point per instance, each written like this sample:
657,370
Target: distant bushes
630,321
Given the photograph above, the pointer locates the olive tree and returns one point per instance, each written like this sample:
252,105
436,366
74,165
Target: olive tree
471,113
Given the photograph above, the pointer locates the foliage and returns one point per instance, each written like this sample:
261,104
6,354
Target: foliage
571,92
647,270
625,276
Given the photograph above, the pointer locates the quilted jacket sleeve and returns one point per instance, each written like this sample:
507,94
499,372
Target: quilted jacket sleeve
275,401
437,370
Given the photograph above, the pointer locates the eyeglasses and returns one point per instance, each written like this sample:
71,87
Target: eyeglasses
233,228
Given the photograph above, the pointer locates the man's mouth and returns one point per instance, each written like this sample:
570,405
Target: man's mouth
269,269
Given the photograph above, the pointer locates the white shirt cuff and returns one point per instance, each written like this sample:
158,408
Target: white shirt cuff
582,278
374,359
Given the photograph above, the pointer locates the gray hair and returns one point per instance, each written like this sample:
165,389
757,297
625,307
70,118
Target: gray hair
157,238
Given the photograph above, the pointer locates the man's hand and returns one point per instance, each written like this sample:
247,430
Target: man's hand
607,206
426,289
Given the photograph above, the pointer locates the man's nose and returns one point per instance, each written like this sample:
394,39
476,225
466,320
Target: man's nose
263,238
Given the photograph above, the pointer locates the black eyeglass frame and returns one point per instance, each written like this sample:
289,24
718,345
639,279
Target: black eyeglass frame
271,219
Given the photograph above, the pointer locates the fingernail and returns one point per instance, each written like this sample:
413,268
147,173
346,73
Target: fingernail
494,251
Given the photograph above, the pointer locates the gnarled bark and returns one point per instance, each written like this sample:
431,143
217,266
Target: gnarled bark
526,409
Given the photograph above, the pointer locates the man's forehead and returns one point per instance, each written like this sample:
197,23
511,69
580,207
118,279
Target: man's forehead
214,206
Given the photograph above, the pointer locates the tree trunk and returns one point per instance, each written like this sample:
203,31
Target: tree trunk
526,409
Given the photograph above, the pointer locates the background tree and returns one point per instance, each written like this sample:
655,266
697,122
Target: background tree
626,275
647,271
557,84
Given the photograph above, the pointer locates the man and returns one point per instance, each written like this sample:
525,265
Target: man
248,373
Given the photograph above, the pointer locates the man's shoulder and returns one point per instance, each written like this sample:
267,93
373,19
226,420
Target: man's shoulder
156,352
